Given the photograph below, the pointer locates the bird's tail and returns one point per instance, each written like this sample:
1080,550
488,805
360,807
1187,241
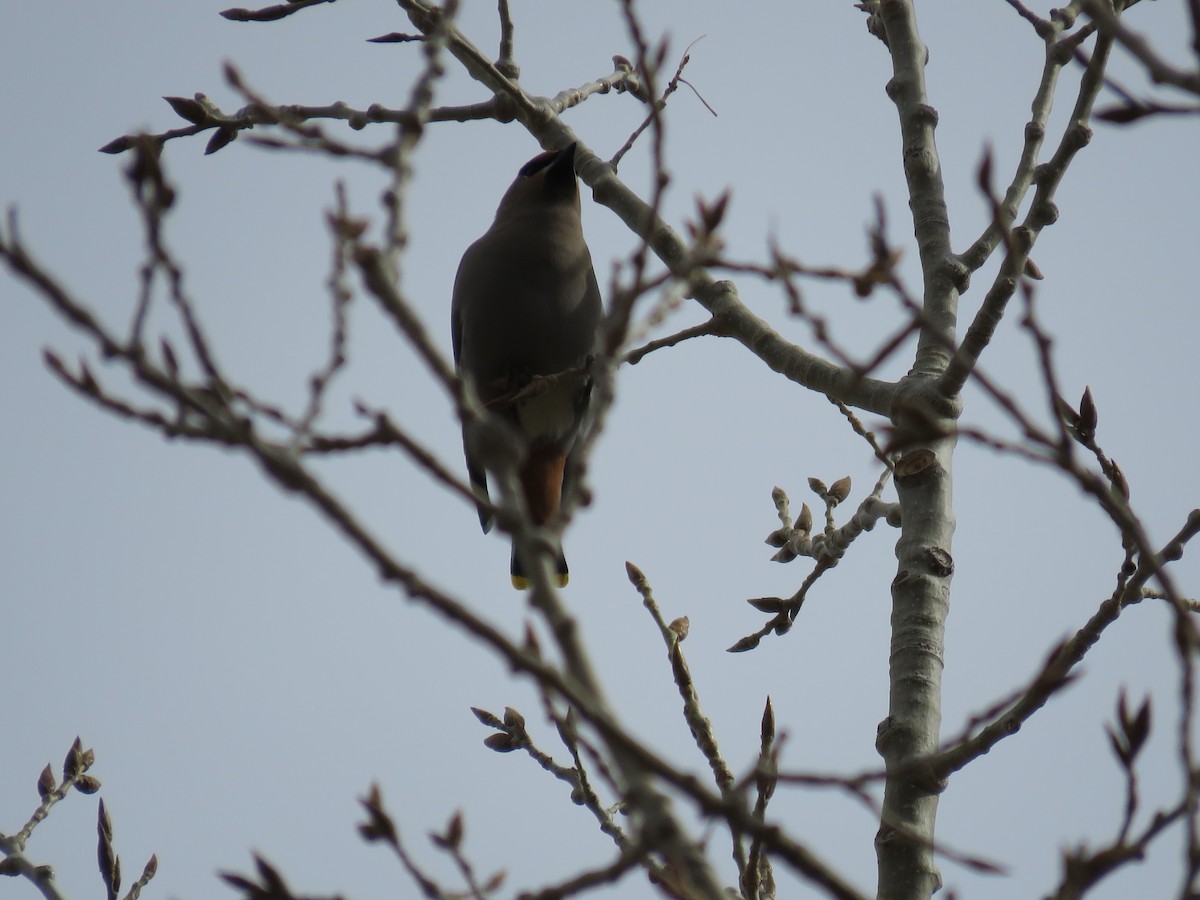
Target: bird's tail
520,580
542,478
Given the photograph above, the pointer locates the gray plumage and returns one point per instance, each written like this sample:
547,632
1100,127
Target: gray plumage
526,303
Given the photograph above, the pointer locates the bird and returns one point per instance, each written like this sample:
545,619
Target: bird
526,305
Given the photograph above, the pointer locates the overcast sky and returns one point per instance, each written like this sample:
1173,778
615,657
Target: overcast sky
239,671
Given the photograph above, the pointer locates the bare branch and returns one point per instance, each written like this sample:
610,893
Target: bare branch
269,13
711,327
698,723
1159,70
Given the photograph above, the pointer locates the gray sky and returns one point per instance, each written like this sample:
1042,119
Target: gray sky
242,675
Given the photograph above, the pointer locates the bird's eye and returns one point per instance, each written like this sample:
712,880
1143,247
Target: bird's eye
539,162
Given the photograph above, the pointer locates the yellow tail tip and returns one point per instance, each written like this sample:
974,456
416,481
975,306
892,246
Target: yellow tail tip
521,583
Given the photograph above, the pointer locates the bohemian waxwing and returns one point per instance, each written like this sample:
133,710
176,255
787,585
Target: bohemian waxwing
526,303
